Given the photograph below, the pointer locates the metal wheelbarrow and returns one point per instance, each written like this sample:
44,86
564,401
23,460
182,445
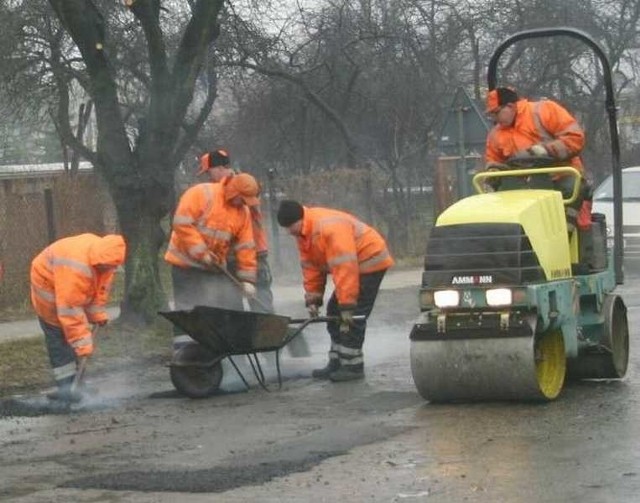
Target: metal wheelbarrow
196,369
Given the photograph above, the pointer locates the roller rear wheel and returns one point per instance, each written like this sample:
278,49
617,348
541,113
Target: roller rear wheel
610,360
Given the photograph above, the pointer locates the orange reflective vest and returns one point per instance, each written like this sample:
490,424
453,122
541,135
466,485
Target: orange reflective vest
337,243
68,291
205,223
544,122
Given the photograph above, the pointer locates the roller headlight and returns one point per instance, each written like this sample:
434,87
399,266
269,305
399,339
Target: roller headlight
446,298
499,297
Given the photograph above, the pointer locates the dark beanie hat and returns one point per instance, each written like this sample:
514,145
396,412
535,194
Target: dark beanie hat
219,157
500,96
289,212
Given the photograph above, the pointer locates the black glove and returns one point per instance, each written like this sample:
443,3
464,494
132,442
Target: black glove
495,183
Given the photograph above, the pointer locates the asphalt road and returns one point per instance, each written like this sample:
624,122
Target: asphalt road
375,440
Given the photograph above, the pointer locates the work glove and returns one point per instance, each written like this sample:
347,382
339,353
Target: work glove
84,350
210,259
249,289
346,320
495,183
538,150
313,301
314,310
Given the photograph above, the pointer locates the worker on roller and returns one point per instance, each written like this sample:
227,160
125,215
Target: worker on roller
337,243
217,166
70,284
212,220
542,129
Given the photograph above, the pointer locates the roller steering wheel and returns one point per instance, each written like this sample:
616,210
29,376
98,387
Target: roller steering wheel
531,161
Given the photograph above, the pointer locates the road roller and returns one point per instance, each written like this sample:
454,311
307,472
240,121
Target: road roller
512,305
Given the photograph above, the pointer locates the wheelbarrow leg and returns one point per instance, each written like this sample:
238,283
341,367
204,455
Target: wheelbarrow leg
235,366
257,370
278,369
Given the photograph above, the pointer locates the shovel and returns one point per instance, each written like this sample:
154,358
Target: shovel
73,394
299,347
74,391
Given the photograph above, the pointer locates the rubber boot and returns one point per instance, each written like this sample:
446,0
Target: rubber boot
324,372
348,373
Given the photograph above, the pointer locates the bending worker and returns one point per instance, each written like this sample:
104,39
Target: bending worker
337,243
70,285
217,165
537,129
211,219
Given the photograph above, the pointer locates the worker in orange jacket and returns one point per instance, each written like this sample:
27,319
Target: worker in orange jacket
211,220
337,243
217,166
70,285
543,128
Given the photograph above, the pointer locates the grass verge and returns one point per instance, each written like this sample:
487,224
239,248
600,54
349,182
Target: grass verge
25,368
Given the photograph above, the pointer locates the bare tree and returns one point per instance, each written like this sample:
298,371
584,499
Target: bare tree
140,64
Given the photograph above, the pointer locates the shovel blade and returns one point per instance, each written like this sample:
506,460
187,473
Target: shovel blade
299,347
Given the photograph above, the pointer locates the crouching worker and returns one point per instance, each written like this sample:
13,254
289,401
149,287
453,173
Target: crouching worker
70,285
337,243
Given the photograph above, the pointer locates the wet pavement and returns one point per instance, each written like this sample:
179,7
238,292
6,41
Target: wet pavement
372,440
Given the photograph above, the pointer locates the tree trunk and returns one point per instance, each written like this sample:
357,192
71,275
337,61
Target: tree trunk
144,295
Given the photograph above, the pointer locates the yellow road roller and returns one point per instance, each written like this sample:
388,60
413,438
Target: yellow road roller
511,303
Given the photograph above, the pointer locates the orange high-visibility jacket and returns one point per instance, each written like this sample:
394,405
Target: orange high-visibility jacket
205,223
68,291
337,243
544,122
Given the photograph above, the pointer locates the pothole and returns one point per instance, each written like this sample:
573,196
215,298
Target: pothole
212,480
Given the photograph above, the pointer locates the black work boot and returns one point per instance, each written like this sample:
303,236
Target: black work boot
348,373
323,373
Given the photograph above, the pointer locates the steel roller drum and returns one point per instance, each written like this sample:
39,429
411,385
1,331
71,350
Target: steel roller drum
501,368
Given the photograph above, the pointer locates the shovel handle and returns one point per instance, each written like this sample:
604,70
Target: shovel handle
82,367
82,364
238,284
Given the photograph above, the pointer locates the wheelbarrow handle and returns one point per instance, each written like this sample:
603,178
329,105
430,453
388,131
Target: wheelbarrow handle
323,319
303,322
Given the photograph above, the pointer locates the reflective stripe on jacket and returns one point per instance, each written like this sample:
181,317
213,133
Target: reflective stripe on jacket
337,243
544,122
204,223
67,291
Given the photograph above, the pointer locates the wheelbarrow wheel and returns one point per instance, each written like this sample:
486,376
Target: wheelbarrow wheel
197,382
195,371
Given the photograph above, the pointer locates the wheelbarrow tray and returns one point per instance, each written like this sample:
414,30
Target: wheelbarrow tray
231,332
